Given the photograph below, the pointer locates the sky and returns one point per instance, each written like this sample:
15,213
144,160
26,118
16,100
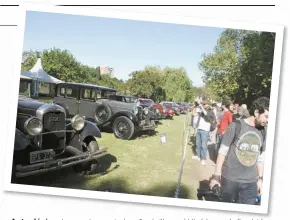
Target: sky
124,45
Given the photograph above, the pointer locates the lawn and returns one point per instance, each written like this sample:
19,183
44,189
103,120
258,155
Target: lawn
142,166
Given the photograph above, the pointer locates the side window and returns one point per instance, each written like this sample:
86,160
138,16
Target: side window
93,94
99,94
61,91
86,94
72,92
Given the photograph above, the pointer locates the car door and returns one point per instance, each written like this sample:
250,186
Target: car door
87,103
72,99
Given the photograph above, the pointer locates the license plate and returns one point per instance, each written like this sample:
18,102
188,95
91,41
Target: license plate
142,122
41,156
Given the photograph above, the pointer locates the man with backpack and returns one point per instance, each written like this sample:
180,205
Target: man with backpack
240,162
205,124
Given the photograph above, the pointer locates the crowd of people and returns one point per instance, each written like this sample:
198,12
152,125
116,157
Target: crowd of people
238,136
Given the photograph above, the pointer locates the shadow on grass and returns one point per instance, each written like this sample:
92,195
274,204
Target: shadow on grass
66,176
137,135
145,134
122,186
67,179
192,142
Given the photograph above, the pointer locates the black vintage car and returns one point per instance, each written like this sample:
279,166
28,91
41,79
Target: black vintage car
96,103
46,140
153,113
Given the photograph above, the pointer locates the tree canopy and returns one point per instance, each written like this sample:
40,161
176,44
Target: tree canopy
240,66
172,84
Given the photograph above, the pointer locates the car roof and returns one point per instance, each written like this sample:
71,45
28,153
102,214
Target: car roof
127,96
85,85
145,99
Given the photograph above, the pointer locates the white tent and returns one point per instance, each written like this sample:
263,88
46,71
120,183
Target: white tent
25,77
39,74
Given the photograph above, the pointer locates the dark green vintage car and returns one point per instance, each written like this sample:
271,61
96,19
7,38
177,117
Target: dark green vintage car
46,140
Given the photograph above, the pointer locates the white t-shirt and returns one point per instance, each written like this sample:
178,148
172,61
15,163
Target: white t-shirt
203,125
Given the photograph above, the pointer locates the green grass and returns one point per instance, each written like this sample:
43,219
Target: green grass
144,165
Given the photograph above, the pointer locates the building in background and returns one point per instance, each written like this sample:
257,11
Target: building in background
106,70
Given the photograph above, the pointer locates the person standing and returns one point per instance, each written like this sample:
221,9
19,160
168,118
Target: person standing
214,132
194,117
240,163
227,118
205,117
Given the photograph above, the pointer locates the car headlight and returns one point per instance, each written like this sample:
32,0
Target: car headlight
33,126
135,110
146,111
78,122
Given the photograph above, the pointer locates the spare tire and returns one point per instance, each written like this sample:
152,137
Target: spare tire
103,113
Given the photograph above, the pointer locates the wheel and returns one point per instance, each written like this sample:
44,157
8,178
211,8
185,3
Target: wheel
87,168
123,128
93,165
102,114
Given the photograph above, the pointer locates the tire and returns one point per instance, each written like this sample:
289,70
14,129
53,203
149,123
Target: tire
103,113
127,127
87,168
93,165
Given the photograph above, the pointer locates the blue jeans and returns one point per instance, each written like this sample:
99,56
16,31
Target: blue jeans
242,193
201,143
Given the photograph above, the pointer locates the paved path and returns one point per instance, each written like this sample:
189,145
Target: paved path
196,175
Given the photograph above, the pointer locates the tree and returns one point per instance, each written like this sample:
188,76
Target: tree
240,66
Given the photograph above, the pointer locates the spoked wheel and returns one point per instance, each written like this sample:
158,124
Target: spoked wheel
102,114
123,128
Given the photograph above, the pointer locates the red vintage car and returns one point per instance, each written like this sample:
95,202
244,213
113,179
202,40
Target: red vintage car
172,105
164,112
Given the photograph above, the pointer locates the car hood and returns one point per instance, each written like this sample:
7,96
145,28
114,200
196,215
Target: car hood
128,105
29,106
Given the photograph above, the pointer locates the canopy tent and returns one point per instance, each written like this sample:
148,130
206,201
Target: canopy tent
37,73
25,77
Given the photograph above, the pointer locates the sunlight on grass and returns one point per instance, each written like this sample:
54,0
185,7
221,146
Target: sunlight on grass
146,166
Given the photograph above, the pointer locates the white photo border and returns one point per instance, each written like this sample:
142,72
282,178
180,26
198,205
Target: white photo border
150,17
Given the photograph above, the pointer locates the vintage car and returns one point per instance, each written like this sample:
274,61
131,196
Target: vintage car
46,140
96,103
156,108
152,113
177,108
186,106
170,105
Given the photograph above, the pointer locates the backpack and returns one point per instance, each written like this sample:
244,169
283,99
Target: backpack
238,130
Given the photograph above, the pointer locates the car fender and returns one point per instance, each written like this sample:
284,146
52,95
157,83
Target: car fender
76,138
21,141
128,114
90,129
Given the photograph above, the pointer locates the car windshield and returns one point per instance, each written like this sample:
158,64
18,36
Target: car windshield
146,101
130,99
24,88
107,94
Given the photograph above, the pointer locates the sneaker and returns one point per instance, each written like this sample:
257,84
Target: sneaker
202,162
195,157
